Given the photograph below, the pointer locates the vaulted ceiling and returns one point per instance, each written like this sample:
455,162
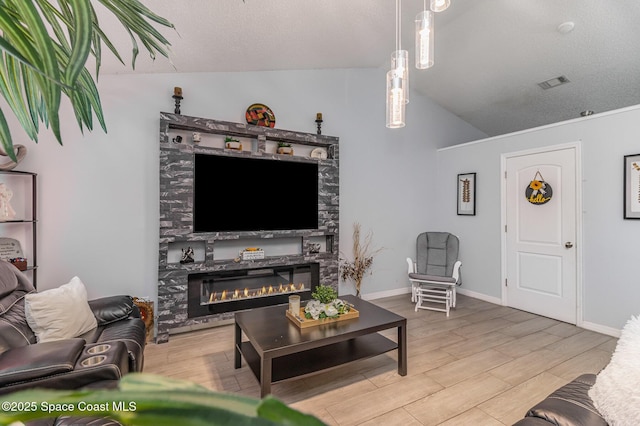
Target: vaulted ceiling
490,54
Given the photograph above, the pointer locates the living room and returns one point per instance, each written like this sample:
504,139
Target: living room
98,193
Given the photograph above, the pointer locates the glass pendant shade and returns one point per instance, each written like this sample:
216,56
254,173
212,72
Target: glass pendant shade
424,39
400,63
440,5
395,100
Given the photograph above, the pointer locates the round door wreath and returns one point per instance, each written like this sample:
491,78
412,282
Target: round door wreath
538,191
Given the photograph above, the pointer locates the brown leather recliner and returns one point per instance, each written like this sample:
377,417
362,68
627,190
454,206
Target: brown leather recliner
98,358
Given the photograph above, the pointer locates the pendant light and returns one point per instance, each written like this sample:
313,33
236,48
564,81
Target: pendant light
424,38
395,100
400,58
397,79
440,5
400,63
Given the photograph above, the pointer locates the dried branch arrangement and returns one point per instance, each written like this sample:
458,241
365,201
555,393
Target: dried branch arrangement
356,269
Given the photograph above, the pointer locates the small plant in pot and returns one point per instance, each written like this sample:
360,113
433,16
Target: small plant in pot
285,148
325,304
231,143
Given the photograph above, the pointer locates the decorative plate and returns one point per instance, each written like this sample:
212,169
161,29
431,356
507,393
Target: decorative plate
260,115
320,153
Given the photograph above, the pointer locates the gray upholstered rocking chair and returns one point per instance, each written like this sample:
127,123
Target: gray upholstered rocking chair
436,272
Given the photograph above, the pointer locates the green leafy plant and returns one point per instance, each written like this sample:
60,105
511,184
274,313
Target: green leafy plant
147,399
230,139
324,294
284,145
325,304
45,48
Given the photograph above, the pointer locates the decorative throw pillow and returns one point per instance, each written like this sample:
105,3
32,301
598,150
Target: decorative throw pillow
60,313
616,393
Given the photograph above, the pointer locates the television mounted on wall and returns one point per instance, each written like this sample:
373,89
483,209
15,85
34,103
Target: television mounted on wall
235,194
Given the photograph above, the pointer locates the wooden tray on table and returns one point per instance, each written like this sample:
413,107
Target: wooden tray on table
302,322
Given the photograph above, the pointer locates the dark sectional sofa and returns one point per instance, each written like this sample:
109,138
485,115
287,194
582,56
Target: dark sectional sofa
570,405
95,359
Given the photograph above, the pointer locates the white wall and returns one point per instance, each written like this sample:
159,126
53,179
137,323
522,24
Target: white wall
610,243
98,194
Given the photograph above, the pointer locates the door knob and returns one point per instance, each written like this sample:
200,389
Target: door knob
568,244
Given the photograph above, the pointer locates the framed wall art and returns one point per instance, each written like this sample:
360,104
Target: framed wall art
632,186
467,194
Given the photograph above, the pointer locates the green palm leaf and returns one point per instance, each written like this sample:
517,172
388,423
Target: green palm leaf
44,49
155,401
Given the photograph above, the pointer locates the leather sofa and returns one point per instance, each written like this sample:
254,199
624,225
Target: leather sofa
97,358
567,406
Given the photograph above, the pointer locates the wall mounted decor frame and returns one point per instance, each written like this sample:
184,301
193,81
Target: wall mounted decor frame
467,194
632,186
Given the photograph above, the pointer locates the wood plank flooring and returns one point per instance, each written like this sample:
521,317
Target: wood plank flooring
484,365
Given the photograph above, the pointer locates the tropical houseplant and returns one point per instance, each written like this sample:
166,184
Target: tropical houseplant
45,48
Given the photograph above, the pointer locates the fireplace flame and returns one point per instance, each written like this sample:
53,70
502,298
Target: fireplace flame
247,293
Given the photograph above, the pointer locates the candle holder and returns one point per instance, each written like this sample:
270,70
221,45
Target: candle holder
177,99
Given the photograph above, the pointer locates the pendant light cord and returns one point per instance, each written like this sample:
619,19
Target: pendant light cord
398,24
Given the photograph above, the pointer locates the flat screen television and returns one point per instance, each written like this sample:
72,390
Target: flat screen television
253,194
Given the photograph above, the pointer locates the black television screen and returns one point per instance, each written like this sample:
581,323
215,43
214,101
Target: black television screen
252,194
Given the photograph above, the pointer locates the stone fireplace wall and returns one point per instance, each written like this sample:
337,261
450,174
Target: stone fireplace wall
176,216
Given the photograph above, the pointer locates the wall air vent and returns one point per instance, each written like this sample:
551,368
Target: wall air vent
554,82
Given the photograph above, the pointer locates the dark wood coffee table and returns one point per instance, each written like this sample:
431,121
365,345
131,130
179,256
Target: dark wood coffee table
278,350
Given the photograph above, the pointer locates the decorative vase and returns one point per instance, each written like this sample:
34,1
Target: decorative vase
7,163
285,150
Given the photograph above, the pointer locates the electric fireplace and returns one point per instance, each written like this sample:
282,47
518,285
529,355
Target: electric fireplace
237,290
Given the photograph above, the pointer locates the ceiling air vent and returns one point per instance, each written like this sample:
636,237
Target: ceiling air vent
554,82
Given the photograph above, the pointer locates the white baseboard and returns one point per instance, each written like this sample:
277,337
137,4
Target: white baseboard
475,295
387,293
609,331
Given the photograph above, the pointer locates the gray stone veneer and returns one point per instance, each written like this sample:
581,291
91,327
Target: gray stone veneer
176,217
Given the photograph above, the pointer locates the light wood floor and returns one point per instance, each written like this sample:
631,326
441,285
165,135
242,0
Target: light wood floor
484,365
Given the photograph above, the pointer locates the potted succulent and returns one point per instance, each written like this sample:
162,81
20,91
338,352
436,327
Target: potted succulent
231,143
325,304
285,148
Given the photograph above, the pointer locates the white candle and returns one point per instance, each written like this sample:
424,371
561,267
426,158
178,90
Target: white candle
294,305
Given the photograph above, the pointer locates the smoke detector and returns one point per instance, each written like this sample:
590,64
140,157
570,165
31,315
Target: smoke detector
554,82
566,27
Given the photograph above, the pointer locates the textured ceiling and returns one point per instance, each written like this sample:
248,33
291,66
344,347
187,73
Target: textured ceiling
490,54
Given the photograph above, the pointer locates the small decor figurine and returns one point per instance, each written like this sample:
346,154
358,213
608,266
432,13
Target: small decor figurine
187,255
6,211
177,96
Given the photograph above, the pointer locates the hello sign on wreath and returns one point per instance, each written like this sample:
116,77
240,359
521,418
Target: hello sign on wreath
538,191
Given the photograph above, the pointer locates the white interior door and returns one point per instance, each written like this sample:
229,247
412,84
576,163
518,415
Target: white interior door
541,255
